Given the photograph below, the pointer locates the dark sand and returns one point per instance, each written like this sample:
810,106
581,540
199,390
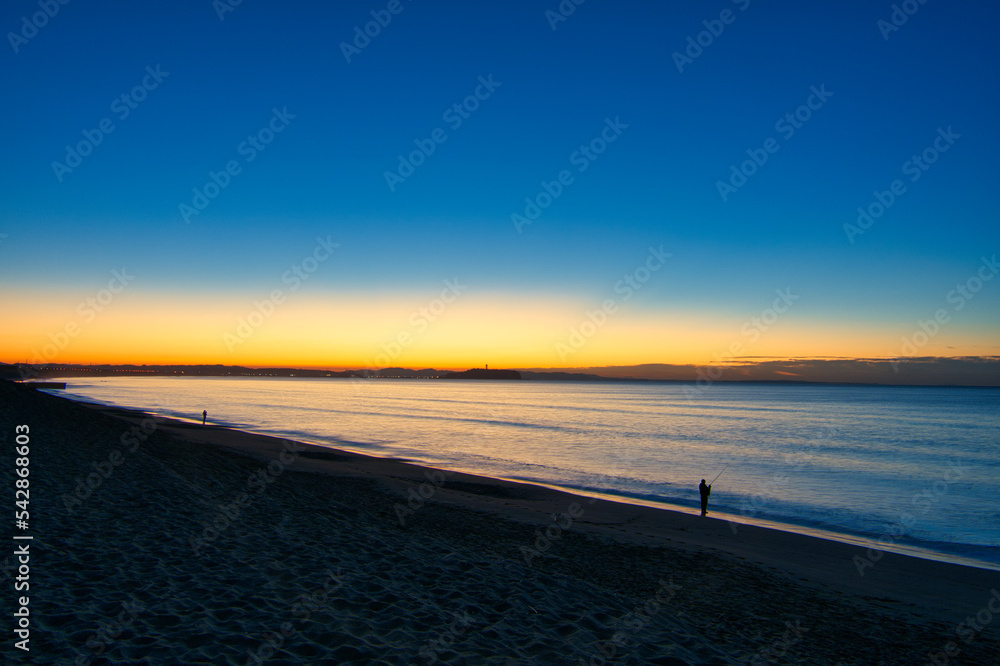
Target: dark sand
210,545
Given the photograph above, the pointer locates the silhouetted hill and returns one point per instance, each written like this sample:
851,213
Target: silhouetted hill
406,373
481,373
563,376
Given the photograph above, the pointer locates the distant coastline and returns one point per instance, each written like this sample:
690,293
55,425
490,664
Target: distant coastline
28,372
483,373
973,372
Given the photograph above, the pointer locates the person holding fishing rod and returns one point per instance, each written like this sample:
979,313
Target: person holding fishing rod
706,490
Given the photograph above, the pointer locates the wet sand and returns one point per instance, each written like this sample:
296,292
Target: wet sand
175,542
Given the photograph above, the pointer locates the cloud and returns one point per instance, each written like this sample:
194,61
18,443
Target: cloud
919,371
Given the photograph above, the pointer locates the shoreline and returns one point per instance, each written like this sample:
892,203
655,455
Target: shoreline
854,539
647,525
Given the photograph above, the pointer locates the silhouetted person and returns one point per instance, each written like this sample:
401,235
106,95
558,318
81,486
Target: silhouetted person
204,415
705,490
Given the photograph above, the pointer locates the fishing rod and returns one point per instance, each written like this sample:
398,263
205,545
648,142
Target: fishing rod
720,473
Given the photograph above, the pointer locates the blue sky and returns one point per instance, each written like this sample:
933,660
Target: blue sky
656,184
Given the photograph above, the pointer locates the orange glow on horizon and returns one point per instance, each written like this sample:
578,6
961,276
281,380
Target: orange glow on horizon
421,331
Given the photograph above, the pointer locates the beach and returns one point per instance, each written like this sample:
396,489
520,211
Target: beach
166,541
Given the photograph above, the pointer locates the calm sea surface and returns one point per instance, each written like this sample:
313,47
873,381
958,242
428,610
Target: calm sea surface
918,467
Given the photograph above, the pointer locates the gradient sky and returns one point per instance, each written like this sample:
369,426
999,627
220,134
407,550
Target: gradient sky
522,294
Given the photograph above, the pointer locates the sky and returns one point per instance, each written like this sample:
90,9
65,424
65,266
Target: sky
520,184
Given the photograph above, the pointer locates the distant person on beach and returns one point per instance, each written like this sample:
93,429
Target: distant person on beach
204,415
705,490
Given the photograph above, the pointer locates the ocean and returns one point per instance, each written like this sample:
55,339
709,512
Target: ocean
912,469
